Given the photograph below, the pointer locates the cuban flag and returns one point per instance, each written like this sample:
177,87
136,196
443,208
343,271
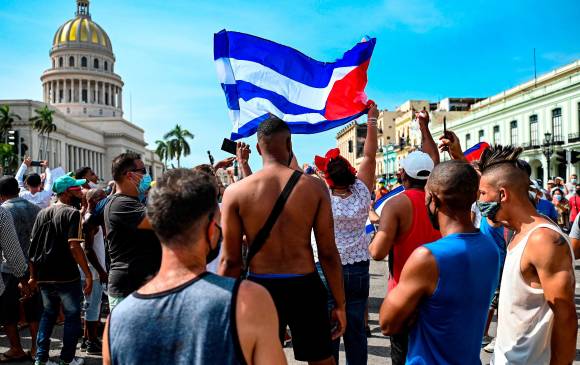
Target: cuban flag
474,153
379,204
260,77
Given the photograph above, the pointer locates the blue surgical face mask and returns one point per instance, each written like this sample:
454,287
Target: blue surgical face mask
143,186
558,197
489,209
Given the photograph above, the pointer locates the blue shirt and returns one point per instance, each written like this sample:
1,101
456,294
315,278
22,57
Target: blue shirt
497,236
451,322
548,209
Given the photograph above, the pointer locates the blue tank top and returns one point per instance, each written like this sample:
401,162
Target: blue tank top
194,323
451,322
497,236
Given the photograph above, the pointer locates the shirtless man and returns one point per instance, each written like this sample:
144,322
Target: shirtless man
537,314
285,264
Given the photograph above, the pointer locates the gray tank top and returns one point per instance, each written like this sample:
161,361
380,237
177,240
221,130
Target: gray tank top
194,323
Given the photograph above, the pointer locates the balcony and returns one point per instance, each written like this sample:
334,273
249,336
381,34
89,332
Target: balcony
573,137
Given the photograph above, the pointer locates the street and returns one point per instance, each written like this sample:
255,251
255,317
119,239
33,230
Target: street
379,346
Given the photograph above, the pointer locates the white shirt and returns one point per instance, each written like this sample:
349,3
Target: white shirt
42,198
525,320
475,210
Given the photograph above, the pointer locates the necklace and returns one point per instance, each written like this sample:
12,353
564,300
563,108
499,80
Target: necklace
342,195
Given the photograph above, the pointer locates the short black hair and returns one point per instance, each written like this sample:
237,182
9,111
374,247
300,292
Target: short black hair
33,180
339,173
122,164
178,202
272,125
416,183
9,186
80,173
456,184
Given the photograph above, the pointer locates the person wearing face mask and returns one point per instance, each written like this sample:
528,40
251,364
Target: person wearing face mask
186,314
88,174
134,249
54,253
537,314
574,202
449,282
562,207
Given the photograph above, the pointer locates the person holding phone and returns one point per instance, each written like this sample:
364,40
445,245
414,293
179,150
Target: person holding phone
32,189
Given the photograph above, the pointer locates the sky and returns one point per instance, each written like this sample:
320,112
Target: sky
164,52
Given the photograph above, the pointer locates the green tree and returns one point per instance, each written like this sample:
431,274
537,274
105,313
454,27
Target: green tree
44,124
177,143
8,159
6,120
163,151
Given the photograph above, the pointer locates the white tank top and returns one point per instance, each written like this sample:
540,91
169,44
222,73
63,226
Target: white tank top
524,318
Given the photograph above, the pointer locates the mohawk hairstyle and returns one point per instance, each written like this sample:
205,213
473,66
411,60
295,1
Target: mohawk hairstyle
499,154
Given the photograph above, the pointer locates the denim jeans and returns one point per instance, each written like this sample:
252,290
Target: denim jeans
356,289
53,294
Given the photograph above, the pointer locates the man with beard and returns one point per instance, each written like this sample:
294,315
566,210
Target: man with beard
55,251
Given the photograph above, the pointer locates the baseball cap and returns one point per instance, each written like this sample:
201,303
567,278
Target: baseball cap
534,185
65,182
418,165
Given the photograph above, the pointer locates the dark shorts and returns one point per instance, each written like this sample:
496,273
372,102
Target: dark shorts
10,303
9,300
301,303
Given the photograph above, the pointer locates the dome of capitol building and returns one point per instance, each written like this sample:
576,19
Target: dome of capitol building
81,86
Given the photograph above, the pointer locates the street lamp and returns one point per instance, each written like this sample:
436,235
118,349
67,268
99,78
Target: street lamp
548,149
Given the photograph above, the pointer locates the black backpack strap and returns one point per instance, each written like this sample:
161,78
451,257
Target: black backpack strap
264,232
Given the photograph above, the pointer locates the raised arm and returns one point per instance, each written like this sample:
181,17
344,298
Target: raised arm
231,259
450,143
427,143
329,257
388,227
366,170
550,255
418,280
47,177
243,157
21,171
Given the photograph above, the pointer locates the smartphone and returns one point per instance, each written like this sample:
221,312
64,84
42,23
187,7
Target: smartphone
35,163
229,146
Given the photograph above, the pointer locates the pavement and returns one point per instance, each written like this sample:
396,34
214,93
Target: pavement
378,345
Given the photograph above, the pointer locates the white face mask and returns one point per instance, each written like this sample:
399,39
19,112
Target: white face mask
92,185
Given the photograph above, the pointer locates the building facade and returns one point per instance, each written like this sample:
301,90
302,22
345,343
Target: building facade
525,116
87,97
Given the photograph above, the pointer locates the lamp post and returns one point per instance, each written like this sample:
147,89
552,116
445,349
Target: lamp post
548,150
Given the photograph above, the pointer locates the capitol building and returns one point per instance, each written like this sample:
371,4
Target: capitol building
81,86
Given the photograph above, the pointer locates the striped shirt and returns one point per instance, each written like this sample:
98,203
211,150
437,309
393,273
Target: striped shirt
10,250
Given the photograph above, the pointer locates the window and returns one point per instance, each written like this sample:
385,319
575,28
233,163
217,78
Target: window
496,136
60,62
53,63
481,135
96,63
468,140
106,65
71,61
514,132
85,96
557,124
84,62
534,141
349,146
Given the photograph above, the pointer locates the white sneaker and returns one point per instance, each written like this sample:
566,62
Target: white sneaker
489,348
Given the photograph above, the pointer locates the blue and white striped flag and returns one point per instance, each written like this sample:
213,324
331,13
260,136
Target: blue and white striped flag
379,204
259,77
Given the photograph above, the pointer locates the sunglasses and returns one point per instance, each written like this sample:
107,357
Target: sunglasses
143,171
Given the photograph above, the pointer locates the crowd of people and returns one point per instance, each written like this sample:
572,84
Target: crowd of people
193,272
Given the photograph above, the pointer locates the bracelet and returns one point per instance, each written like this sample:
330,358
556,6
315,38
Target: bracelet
371,119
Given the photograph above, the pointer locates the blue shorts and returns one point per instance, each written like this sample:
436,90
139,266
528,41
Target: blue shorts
92,304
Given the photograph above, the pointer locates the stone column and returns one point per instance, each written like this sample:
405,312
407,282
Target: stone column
120,98
102,92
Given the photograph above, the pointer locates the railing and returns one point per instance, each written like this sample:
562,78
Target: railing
573,137
559,140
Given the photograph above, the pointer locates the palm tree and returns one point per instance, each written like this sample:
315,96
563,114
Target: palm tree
163,150
178,145
43,123
6,120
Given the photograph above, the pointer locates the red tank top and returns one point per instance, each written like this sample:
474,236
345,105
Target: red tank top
420,233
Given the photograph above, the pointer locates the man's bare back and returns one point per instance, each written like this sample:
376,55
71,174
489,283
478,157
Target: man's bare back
248,203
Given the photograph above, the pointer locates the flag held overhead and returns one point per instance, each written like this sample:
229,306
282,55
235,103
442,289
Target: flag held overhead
259,76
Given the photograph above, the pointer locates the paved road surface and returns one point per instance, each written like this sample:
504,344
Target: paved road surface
379,346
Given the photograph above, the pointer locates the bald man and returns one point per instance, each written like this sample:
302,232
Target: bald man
449,282
285,264
537,315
